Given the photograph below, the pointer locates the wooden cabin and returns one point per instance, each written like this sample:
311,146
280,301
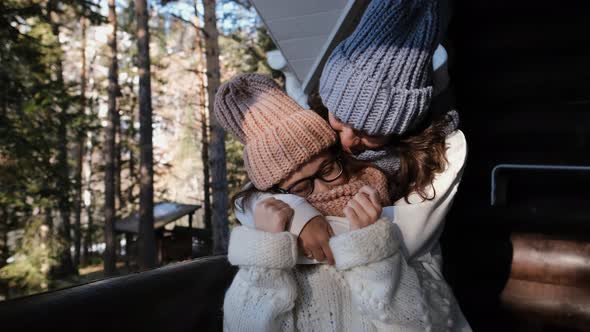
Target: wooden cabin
517,241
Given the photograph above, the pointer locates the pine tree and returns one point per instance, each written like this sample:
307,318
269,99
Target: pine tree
217,162
63,174
203,118
146,237
109,148
80,142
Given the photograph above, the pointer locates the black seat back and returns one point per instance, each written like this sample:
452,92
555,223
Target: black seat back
186,296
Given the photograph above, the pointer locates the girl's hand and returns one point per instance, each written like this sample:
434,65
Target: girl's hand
363,209
272,215
314,240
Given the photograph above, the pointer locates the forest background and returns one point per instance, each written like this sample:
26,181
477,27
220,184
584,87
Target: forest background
104,111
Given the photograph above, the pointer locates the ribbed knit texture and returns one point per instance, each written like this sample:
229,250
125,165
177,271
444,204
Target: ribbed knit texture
351,250
373,291
332,202
277,133
259,244
378,80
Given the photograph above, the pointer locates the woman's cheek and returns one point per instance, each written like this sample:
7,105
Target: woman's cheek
372,143
349,141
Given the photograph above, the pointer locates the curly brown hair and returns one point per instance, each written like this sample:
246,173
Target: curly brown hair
422,155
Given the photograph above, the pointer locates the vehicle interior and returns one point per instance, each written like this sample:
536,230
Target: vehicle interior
516,244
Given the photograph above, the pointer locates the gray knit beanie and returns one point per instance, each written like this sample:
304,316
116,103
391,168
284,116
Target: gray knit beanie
378,80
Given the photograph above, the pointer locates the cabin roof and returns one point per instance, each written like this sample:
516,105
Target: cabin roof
164,213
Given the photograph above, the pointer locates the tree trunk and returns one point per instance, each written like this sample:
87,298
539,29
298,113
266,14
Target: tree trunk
217,162
89,207
67,266
63,180
49,220
3,247
146,237
88,179
109,153
80,156
131,134
118,140
117,170
4,235
203,116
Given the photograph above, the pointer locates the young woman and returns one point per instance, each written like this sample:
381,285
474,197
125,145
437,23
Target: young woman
371,287
378,90
377,86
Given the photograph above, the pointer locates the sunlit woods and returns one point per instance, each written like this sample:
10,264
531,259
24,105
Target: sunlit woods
91,89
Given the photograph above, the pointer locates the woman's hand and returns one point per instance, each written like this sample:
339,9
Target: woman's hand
363,209
314,240
272,215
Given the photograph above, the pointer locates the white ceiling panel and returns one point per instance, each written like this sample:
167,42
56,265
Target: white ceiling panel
275,9
302,66
304,26
303,48
307,30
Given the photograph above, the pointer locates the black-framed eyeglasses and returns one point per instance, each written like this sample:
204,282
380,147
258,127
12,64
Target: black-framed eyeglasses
329,171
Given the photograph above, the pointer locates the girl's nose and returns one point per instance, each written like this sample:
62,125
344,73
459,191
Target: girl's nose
321,186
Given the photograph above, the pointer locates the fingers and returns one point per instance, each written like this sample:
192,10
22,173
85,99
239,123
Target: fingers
328,252
272,215
358,209
318,254
364,208
369,209
364,203
285,214
315,239
321,253
373,195
330,231
324,242
350,214
270,201
369,201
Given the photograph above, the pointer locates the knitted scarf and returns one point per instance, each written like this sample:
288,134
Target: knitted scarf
332,202
386,158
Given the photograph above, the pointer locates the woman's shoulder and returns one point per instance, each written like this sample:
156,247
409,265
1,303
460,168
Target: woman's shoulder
456,151
457,141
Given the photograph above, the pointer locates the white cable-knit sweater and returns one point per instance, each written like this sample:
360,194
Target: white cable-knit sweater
371,288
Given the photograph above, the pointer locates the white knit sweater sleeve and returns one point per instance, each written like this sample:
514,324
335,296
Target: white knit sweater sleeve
303,212
263,292
383,286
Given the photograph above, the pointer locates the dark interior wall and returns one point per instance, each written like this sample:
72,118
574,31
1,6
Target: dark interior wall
521,77
521,71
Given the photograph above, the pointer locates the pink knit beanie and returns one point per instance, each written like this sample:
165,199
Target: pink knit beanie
279,136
